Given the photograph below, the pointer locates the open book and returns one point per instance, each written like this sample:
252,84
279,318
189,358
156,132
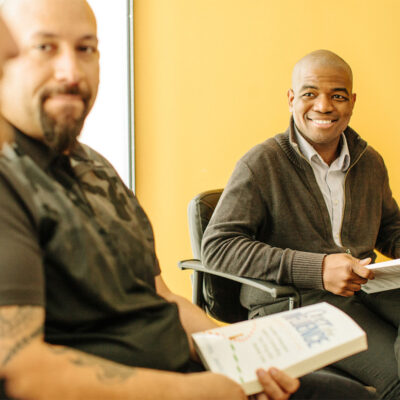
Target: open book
297,341
387,276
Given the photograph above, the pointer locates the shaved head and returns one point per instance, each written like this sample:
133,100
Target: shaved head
54,80
320,58
21,9
19,12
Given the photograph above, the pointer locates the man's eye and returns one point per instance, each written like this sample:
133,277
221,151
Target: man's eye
308,94
339,97
45,47
87,49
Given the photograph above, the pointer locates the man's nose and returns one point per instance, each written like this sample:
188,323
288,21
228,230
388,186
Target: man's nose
323,104
67,67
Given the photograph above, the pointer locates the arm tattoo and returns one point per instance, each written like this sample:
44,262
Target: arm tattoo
19,327
20,344
15,322
107,372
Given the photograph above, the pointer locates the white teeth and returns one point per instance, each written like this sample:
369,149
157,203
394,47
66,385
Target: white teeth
322,121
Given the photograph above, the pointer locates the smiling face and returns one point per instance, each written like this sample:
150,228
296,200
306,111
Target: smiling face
321,102
51,86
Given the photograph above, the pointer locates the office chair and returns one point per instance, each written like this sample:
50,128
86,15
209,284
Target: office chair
218,293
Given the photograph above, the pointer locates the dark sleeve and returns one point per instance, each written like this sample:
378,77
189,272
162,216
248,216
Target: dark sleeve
230,241
21,265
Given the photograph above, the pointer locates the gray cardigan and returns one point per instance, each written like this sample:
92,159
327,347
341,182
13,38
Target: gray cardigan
272,222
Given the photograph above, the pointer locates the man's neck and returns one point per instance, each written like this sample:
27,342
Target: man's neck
328,152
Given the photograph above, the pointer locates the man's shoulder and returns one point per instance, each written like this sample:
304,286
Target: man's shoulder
363,155
373,157
96,161
270,150
92,155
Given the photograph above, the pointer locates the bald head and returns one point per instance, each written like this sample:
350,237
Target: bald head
23,11
320,59
54,79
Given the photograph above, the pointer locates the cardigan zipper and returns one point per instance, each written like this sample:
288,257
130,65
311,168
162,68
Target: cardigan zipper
348,251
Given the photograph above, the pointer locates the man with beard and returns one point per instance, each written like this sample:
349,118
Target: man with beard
82,301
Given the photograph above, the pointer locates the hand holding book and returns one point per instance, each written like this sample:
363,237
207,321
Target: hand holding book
297,342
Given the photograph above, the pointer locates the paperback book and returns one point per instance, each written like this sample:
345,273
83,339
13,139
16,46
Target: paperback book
297,342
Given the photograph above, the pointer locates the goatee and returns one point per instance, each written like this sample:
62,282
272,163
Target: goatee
61,132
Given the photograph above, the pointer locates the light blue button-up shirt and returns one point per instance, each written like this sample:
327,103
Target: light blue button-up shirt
330,179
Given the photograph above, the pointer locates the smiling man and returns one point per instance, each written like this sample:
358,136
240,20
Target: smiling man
308,208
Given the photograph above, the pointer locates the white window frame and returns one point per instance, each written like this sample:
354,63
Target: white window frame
109,127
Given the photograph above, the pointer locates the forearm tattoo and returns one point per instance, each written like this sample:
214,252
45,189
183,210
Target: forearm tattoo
18,328
107,372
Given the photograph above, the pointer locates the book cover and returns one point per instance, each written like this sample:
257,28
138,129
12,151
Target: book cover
297,341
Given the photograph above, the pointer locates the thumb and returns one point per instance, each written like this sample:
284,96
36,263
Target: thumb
365,261
361,270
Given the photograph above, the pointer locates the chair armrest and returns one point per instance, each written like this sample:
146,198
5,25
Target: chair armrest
273,289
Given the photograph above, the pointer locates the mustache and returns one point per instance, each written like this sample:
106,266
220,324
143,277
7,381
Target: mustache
85,94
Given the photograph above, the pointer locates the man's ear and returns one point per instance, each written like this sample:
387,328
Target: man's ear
354,98
290,95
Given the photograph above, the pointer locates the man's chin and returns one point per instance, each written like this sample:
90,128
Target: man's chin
62,137
61,131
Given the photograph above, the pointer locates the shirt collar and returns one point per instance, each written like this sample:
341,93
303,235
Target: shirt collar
308,151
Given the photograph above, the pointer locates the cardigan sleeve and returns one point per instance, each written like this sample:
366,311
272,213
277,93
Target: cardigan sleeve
234,240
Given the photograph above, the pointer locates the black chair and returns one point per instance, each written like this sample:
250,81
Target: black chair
218,293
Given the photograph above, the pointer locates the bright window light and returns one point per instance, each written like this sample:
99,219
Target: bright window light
107,126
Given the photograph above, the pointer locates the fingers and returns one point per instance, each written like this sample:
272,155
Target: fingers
343,274
285,381
277,385
360,269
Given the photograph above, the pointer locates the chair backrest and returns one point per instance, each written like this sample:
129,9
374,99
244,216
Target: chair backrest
219,297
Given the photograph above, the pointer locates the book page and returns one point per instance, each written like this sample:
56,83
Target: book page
387,277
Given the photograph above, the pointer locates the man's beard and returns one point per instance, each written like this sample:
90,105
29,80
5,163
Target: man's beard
61,132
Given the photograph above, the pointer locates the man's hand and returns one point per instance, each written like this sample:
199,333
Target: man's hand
343,274
277,385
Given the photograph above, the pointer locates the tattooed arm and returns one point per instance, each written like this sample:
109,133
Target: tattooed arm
35,370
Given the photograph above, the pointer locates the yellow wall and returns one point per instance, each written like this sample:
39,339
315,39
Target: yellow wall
211,82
